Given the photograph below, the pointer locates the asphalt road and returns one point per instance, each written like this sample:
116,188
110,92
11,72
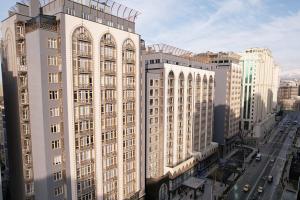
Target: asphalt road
256,173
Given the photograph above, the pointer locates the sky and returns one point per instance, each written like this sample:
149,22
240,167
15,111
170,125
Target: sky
219,25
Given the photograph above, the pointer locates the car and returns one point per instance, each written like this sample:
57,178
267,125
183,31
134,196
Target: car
260,189
270,179
246,188
272,160
258,157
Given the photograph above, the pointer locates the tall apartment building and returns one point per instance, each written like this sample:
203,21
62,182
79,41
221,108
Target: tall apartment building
71,88
178,123
227,111
258,86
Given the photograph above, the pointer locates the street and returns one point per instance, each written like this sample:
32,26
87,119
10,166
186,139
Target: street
272,163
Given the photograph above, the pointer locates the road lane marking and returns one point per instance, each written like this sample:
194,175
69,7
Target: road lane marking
259,177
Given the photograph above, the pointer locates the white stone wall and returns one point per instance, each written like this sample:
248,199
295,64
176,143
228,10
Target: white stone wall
69,24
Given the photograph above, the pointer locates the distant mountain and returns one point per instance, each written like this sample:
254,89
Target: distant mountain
290,74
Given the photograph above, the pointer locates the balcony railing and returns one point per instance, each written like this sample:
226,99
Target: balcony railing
85,69
84,54
109,57
130,60
108,43
22,68
84,86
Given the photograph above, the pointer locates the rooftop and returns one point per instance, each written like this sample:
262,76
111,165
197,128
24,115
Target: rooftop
106,6
168,49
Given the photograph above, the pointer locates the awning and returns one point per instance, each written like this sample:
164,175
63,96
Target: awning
194,183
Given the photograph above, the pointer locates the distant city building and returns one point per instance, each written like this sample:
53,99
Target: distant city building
260,79
178,113
288,94
71,88
227,112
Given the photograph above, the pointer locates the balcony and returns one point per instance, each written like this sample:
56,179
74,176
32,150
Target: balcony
109,71
80,133
130,60
84,117
84,101
129,87
20,36
129,73
108,127
109,86
130,111
108,100
85,70
110,58
84,54
22,68
84,86
108,43
109,114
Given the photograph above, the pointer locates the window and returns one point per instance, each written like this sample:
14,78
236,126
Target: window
57,160
85,16
109,23
29,188
56,144
53,95
55,112
58,191
151,82
99,20
52,60
70,11
55,128
57,176
54,78
28,173
52,43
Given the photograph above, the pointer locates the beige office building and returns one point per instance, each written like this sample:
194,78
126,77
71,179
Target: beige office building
71,88
178,126
227,111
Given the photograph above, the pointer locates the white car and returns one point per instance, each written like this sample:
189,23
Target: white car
260,189
246,188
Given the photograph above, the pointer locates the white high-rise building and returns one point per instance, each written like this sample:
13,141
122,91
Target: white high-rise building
71,90
178,122
260,77
228,92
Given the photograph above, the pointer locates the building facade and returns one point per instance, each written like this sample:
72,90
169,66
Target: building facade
287,94
71,88
227,111
178,123
258,88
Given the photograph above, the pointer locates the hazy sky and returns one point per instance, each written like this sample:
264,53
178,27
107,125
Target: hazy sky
219,25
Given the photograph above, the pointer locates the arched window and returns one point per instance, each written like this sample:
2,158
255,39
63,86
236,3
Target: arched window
180,113
108,88
197,122
129,117
189,114
170,118
204,114
82,56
